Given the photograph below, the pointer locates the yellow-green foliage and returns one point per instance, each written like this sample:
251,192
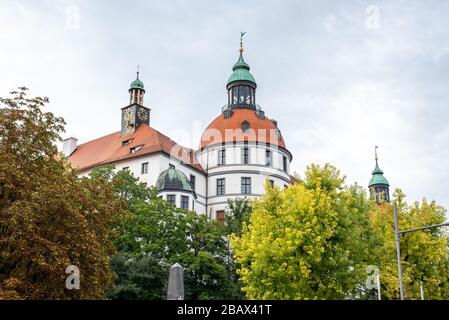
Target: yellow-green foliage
424,253
305,242
315,239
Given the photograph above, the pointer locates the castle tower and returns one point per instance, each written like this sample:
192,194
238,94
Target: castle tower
135,113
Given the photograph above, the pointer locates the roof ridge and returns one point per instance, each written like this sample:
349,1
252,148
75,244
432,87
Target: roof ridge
102,137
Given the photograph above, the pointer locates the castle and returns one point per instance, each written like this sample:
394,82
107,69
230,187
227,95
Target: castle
239,151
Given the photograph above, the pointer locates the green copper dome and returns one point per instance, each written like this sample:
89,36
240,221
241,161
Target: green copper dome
173,180
137,84
241,72
378,177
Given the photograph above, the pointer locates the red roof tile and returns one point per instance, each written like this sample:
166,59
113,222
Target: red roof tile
110,149
228,130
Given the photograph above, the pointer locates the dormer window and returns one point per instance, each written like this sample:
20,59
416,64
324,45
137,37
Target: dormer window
245,125
135,149
126,142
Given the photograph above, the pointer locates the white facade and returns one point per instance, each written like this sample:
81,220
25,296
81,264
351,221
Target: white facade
157,163
209,197
234,170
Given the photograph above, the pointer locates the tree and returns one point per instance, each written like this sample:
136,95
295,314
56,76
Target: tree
424,254
307,242
156,235
49,219
237,214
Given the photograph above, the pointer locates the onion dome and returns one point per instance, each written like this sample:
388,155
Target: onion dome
377,175
137,84
241,71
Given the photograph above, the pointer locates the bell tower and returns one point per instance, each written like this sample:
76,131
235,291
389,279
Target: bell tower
135,113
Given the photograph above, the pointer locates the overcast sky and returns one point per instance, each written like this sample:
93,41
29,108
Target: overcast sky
339,76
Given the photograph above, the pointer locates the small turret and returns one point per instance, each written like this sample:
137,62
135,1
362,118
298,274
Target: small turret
378,185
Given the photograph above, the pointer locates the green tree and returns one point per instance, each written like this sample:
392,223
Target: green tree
154,236
425,254
237,214
49,219
307,242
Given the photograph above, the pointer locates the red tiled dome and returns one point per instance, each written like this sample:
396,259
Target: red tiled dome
261,129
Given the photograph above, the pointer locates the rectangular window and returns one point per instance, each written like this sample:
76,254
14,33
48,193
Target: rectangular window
284,163
268,158
125,168
171,198
184,202
144,168
170,166
246,185
192,181
220,187
245,155
221,157
220,216
271,183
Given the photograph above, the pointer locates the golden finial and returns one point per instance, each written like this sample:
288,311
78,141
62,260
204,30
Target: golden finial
241,41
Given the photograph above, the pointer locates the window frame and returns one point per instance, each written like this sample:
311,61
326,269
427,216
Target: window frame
221,161
246,185
185,202
144,168
268,158
169,196
193,182
246,155
221,186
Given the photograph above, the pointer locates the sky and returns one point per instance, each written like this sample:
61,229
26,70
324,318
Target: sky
339,76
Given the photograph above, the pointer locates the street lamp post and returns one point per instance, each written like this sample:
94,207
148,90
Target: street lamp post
398,248
398,245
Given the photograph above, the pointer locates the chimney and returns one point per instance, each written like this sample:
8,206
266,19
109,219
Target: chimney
68,146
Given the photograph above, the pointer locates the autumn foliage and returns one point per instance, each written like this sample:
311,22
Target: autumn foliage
49,219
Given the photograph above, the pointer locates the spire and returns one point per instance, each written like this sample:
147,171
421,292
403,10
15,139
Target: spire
241,68
377,173
137,84
241,64
377,168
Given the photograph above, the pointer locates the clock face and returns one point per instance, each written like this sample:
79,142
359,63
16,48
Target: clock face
128,119
142,115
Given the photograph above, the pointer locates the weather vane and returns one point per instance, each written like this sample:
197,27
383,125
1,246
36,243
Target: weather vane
241,40
375,152
138,70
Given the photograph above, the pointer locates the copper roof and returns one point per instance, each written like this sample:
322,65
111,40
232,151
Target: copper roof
113,148
228,130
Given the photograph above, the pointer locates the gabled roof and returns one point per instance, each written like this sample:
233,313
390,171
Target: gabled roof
116,147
